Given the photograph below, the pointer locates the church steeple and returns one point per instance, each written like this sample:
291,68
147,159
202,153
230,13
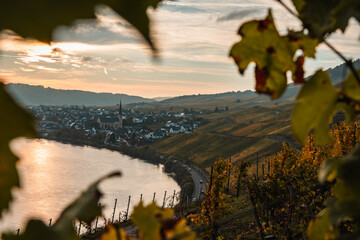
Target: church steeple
120,116
120,109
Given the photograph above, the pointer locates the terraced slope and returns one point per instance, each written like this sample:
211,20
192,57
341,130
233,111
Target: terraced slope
242,135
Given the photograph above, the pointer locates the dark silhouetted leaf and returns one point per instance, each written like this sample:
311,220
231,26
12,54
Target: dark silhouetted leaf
14,122
85,209
35,229
323,17
345,201
37,19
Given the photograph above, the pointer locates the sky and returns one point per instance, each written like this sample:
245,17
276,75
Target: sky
194,39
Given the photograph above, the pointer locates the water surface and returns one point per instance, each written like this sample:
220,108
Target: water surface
53,174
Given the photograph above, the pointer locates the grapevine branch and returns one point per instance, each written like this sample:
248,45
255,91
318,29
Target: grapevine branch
348,62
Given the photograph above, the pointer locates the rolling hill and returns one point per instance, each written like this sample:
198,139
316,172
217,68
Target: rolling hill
39,95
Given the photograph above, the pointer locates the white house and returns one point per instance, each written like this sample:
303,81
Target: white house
137,120
158,134
169,124
174,130
179,115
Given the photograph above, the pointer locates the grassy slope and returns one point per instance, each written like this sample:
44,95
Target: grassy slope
241,135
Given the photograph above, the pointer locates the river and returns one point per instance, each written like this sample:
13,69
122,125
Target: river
53,174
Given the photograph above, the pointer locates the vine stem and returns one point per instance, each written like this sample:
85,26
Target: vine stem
348,62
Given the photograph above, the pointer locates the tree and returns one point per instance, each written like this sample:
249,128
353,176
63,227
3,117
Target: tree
214,204
240,173
128,121
92,123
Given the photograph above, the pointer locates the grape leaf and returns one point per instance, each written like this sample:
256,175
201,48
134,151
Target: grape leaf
324,17
85,208
148,219
315,105
348,172
299,40
113,233
328,170
135,13
180,231
299,4
155,223
343,12
14,122
321,228
345,203
298,76
273,54
351,87
37,19
35,229
262,44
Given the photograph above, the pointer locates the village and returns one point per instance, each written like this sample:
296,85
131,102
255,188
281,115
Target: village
115,125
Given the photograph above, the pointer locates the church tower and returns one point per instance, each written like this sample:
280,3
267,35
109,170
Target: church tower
120,116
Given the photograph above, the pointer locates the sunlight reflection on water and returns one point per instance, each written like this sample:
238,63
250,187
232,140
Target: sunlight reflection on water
52,174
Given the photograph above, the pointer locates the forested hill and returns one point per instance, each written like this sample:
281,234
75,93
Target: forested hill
39,95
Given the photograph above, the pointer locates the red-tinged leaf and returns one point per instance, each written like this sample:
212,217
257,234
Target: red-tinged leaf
261,43
261,75
298,76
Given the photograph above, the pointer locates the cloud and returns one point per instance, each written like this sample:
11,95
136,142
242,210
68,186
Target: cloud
47,68
87,59
194,38
237,15
178,7
26,69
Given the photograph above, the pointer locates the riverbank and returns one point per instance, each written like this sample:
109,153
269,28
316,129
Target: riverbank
177,170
